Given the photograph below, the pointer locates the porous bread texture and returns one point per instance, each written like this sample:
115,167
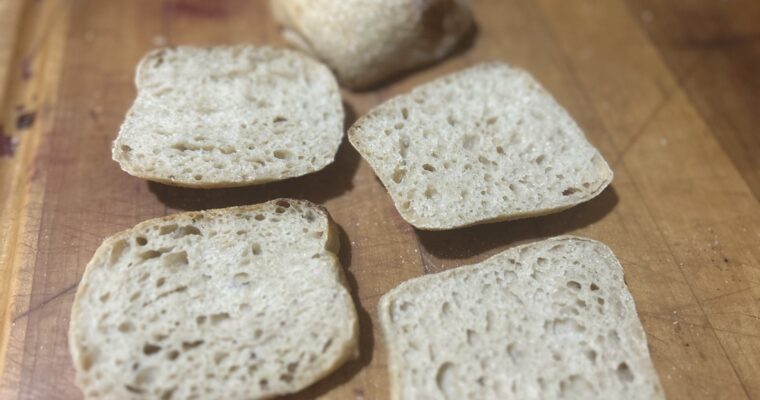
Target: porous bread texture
366,42
237,303
547,320
229,116
480,145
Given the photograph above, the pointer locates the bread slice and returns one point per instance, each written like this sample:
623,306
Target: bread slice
484,144
366,42
229,116
244,302
547,320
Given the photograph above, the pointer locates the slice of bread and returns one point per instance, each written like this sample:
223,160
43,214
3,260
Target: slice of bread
237,303
480,145
547,320
366,42
229,116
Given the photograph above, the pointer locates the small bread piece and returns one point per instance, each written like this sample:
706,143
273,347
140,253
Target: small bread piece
547,320
368,41
229,116
484,144
237,303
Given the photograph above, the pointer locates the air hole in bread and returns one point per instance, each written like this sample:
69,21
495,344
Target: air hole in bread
240,277
192,345
398,175
279,119
188,230
219,357
428,167
180,147
255,249
148,255
468,141
430,192
405,113
446,381
451,121
217,318
624,373
591,355
403,145
471,334
198,177
600,301
563,326
244,307
281,154
125,148
500,150
327,345
146,376
491,120
514,354
574,285
118,249
200,320
569,191
160,282
593,287
167,229
172,355
104,297
134,389
87,359
150,349
259,217
175,259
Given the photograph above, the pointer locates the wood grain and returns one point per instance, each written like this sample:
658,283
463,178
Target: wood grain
680,214
713,50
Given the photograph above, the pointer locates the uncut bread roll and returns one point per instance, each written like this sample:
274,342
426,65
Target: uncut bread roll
366,42
480,145
237,303
547,320
229,116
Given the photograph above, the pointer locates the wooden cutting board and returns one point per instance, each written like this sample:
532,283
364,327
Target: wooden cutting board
668,91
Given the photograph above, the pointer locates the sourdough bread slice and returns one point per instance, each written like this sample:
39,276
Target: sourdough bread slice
237,303
366,42
547,320
229,116
484,144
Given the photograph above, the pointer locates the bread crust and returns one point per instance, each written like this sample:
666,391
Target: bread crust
366,43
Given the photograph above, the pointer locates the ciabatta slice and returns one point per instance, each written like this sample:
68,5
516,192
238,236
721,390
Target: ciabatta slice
548,320
237,303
